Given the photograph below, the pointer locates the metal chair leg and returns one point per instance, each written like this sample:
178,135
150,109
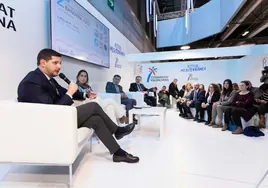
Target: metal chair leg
90,147
70,176
264,176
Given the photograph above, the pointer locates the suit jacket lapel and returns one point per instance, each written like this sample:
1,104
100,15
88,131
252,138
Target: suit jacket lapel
46,83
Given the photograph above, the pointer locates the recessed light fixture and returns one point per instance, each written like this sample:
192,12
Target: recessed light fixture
185,47
245,33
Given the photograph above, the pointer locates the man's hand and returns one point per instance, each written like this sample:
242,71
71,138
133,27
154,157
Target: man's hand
203,105
188,103
72,88
123,96
91,94
263,102
215,104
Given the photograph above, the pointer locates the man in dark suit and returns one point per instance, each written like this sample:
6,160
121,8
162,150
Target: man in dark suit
138,86
114,87
39,86
195,99
173,89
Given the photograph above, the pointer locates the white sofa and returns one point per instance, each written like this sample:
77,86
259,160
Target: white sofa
40,134
138,96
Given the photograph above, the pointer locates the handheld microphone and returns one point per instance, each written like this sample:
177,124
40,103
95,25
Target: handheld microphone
62,76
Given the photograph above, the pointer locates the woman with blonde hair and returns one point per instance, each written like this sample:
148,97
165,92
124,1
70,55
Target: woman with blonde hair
181,100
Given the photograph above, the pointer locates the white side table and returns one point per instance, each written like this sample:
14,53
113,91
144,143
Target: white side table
154,111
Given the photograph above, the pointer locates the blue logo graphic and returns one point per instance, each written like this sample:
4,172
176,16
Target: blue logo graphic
117,49
59,2
191,78
193,68
153,71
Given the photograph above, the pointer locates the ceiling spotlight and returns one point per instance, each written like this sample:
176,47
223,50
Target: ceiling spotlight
185,47
245,33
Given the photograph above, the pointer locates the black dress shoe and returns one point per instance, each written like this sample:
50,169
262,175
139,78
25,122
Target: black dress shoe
128,158
201,121
195,119
207,123
128,129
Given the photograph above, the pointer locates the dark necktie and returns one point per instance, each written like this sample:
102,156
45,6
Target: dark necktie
139,87
52,82
195,95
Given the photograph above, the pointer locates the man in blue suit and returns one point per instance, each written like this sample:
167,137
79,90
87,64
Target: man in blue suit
39,86
195,99
114,87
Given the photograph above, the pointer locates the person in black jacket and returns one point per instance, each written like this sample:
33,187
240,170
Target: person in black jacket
139,87
173,89
39,86
164,96
213,95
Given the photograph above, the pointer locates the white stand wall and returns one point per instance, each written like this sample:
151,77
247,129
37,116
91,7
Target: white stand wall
19,49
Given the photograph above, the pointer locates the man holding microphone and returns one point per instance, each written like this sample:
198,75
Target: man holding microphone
39,86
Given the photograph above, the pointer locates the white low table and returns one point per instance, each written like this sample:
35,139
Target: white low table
154,111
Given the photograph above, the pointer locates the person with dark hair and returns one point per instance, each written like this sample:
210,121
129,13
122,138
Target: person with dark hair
263,105
182,90
255,90
139,87
173,89
202,86
235,87
218,108
115,111
213,95
164,96
39,86
242,107
220,87
114,87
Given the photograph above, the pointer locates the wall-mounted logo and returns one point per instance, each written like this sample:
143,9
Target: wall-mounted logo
153,77
193,68
117,49
191,78
116,64
7,20
265,62
152,70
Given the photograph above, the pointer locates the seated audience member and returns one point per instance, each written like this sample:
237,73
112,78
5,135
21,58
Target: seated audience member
114,87
139,87
263,105
235,87
213,95
173,89
220,87
106,104
195,99
218,108
39,86
255,90
242,106
164,96
202,87
181,92
181,100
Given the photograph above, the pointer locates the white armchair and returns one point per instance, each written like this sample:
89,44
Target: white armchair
40,134
114,96
138,96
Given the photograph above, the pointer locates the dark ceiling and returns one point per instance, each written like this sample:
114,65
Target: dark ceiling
177,5
252,17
